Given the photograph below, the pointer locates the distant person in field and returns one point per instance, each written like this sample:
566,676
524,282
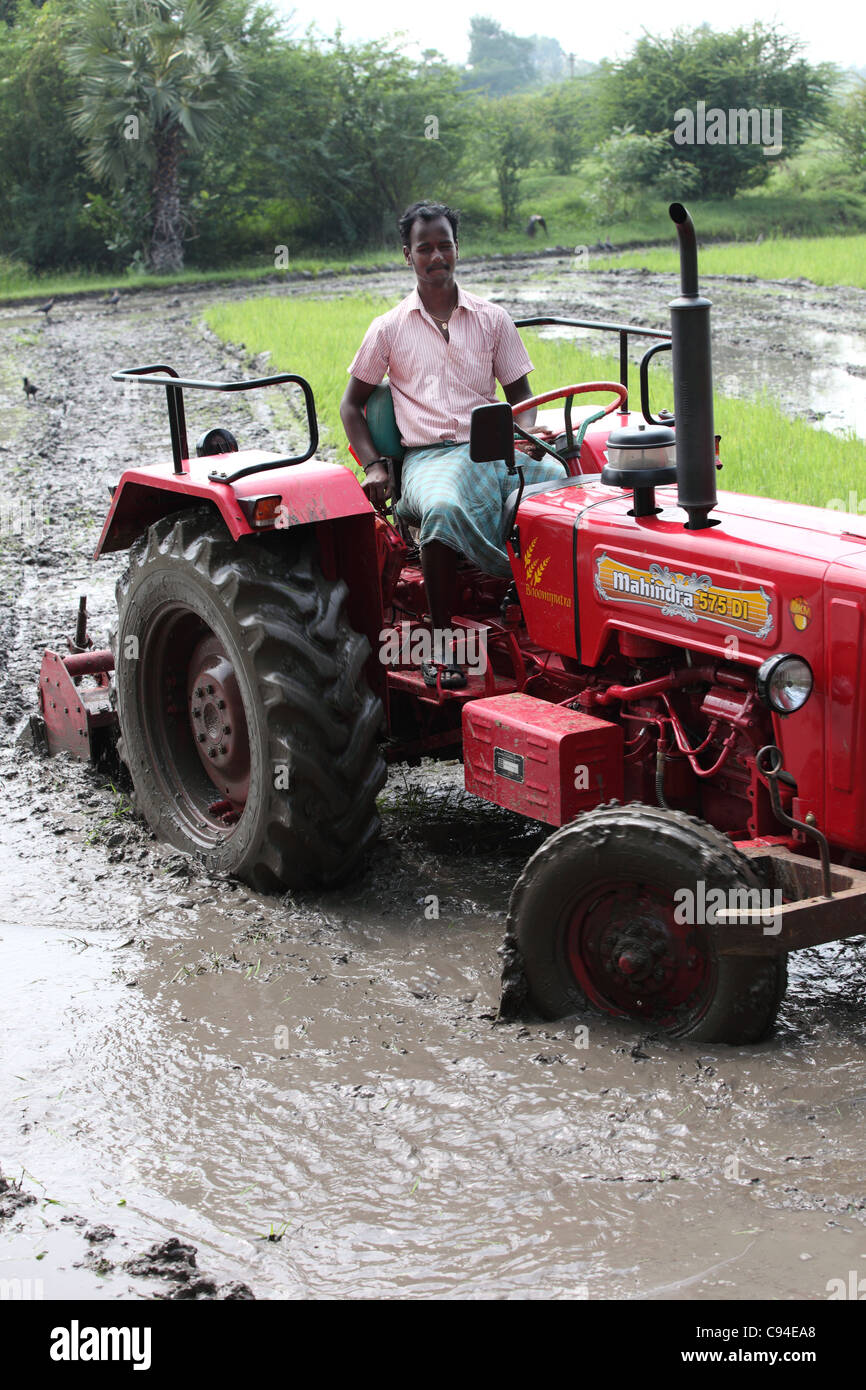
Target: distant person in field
443,351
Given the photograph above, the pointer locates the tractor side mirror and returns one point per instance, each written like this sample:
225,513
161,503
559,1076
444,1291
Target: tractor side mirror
491,434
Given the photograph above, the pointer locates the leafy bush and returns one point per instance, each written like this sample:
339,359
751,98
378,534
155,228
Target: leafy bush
632,165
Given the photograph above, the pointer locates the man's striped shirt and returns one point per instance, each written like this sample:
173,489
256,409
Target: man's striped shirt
436,384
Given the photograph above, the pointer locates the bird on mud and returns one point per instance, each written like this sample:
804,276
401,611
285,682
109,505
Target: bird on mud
535,221
112,299
608,244
29,389
46,308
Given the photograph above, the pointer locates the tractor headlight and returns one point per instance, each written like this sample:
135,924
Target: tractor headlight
784,682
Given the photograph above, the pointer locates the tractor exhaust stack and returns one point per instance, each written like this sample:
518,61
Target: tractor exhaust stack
693,383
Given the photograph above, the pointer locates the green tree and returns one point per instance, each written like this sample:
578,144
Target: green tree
156,78
499,62
341,138
548,58
566,113
395,130
247,189
509,140
632,165
847,126
43,216
756,68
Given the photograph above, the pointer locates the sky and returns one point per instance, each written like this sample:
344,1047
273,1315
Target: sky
833,31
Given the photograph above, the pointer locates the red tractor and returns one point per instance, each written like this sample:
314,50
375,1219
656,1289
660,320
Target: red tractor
670,678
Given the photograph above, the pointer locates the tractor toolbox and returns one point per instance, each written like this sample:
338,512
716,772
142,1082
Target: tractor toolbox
539,759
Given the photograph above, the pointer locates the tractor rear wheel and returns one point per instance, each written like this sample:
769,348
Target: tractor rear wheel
246,722
610,916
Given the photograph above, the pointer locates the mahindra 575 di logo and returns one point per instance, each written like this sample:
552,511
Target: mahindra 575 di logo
692,597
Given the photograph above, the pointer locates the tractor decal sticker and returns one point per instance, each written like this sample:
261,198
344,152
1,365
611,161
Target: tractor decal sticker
534,568
801,613
693,597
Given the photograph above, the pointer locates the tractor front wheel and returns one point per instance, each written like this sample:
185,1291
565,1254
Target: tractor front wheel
246,722
615,914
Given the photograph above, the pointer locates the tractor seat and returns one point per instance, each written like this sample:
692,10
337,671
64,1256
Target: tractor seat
510,508
382,424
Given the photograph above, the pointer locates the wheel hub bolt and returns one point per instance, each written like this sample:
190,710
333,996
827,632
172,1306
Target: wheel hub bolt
221,704
211,752
196,714
222,748
199,692
201,738
209,689
227,728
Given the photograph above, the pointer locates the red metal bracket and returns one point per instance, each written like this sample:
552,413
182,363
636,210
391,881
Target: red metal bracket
71,712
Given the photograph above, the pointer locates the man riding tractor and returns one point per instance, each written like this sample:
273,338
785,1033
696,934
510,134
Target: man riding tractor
443,351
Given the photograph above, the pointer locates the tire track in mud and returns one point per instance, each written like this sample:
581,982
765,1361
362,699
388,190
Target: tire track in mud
312,1090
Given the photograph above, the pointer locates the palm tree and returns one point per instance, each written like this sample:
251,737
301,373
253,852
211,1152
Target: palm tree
156,76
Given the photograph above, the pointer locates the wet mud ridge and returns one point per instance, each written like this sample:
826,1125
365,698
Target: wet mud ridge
209,1093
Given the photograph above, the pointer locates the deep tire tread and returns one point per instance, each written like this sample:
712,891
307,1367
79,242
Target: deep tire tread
752,986
306,667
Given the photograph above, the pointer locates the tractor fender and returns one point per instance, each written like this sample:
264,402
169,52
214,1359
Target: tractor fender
310,492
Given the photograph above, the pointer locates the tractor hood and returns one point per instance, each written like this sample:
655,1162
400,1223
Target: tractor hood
744,588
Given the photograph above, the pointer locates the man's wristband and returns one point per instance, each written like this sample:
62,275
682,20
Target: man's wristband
381,459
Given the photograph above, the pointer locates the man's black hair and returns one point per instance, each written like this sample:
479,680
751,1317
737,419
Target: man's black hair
426,212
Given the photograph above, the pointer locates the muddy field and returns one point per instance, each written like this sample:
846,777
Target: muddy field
206,1093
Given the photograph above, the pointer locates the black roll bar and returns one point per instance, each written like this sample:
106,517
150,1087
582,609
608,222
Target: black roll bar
644,384
174,389
623,329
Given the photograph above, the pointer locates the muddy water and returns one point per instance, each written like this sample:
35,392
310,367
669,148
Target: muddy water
312,1092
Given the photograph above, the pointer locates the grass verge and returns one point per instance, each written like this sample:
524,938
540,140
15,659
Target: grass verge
830,260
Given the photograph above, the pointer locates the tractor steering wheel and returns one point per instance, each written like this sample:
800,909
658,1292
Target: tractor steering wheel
569,392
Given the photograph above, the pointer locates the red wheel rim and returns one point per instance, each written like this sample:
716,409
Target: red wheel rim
194,723
218,721
631,958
